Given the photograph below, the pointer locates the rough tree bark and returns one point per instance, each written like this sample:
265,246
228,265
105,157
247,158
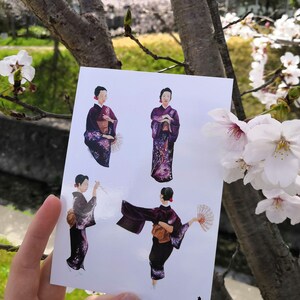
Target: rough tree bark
196,32
86,35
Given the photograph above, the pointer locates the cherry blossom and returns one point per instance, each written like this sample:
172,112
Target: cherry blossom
230,128
22,61
279,206
278,145
289,59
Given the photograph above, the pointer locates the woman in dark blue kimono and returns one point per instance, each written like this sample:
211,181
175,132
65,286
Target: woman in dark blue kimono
165,129
168,231
83,216
101,125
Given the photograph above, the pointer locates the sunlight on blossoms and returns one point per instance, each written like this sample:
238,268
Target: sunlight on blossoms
266,155
284,31
20,62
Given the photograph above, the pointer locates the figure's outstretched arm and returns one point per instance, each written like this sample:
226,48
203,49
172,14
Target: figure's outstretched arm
192,221
97,184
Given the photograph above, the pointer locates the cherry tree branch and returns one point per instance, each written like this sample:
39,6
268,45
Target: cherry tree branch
237,250
268,82
237,21
11,248
149,52
40,114
168,68
166,27
220,39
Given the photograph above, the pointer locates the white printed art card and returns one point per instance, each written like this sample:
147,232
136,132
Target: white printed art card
142,186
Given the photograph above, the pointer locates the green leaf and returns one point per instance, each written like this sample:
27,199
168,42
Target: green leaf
128,18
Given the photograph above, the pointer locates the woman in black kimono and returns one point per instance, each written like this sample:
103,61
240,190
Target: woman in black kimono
165,129
101,125
168,231
82,217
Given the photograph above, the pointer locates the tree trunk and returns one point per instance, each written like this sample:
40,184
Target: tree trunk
277,273
86,35
197,38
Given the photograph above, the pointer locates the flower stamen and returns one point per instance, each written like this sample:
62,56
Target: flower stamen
235,130
277,202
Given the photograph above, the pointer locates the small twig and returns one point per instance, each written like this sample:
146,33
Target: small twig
40,113
268,82
264,18
11,248
168,68
237,250
153,55
237,21
168,30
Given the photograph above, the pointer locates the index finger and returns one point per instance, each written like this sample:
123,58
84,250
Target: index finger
24,274
39,231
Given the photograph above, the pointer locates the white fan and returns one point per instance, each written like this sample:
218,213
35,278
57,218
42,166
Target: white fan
205,216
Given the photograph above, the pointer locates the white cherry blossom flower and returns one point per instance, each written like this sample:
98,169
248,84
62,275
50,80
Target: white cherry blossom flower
291,75
289,59
234,167
230,128
10,64
279,206
278,145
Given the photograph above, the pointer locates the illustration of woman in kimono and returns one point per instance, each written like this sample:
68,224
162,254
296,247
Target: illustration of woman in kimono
165,129
79,218
101,125
168,231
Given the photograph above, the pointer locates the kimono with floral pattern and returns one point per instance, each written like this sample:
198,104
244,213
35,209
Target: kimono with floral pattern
100,146
164,136
84,213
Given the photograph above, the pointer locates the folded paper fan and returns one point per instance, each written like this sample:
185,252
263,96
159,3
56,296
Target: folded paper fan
205,216
116,144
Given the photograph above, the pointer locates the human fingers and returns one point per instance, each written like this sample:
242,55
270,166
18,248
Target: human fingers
122,296
23,280
46,290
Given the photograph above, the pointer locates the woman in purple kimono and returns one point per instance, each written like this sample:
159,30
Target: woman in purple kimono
84,217
168,231
165,129
101,125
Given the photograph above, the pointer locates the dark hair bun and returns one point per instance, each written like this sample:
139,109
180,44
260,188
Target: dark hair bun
98,89
167,193
79,179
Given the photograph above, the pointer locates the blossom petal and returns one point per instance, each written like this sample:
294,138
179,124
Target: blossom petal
291,129
265,132
28,72
263,205
5,68
221,116
282,169
276,215
24,58
274,193
258,151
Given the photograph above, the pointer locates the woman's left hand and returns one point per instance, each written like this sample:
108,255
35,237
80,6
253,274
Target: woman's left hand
27,280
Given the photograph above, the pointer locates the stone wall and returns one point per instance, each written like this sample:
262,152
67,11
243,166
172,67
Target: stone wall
35,150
